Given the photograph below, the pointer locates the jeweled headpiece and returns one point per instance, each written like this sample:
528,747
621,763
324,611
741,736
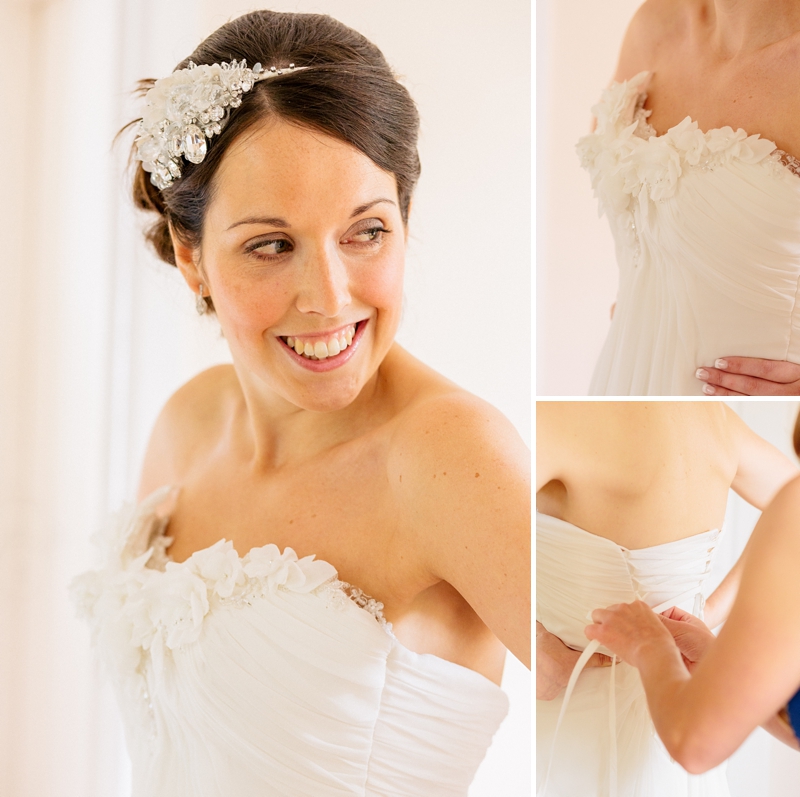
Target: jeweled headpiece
184,110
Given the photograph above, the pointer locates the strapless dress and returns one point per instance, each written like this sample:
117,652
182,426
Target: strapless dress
707,232
266,675
606,744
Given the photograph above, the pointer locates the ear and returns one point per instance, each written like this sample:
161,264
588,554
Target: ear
187,262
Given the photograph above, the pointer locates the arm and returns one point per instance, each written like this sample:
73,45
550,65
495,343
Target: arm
761,472
752,669
465,497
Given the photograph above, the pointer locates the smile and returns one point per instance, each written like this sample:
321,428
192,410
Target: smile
320,348
326,351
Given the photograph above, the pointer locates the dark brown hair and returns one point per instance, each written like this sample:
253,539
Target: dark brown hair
349,93
796,436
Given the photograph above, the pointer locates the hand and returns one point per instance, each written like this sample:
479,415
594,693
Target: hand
691,635
628,629
750,376
555,662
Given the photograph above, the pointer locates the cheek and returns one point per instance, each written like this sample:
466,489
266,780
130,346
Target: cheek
383,288
246,306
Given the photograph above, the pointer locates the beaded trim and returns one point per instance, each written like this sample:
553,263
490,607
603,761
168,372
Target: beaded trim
789,161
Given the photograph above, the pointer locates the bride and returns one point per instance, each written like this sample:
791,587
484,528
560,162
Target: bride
708,694
329,557
630,499
694,160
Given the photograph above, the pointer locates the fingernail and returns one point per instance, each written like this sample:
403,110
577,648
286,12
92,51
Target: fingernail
709,390
701,373
721,364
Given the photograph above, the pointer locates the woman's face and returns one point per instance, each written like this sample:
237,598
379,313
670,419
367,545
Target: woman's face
303,253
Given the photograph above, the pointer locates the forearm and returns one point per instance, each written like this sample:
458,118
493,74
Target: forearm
666,680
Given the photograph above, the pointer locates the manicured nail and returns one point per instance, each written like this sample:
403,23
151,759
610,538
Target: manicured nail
721,364
701,373
709,390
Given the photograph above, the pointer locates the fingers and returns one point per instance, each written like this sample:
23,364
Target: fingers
772,370
750,376
676,613
721,383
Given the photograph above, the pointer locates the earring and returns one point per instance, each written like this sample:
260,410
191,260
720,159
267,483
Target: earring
200,303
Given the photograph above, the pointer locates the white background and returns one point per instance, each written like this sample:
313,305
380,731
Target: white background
576,272
95,334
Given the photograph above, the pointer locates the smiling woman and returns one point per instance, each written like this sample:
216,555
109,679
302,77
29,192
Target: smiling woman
330,553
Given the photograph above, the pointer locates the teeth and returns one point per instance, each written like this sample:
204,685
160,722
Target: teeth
322,349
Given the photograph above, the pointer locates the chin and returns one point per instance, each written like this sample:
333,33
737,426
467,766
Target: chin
327,400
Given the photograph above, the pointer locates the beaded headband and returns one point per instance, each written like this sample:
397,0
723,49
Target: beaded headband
185,109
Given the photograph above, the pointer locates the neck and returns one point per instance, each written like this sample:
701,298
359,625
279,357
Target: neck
273,433
740,27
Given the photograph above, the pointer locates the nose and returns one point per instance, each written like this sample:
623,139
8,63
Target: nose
325,284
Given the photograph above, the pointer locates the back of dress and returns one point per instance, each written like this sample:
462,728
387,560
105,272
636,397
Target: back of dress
652,466
707,233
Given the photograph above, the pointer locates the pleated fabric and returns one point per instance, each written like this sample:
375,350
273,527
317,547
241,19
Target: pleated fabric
707,233
606,745
261,675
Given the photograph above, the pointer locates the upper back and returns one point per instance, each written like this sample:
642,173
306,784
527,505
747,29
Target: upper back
639,473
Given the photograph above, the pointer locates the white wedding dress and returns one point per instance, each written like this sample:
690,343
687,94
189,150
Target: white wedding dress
606,745
266,675
707,233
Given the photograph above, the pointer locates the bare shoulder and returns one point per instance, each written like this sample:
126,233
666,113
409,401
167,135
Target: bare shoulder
453,428
656,26
185,426
459,471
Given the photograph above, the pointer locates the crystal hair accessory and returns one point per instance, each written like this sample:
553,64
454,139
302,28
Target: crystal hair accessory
185,109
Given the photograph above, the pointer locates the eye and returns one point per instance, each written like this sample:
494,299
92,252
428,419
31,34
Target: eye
269,248
370,234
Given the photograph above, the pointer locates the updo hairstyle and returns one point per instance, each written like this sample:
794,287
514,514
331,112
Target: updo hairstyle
348,93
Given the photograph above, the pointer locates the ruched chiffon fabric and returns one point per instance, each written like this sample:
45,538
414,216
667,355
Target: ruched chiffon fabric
707,233
265,675
605,750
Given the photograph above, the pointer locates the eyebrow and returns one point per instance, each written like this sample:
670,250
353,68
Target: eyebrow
277,221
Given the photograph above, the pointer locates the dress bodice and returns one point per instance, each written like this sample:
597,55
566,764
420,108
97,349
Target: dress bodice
577,572
596,739
707,233
266,675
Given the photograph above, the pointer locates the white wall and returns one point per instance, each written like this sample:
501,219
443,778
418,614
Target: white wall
576,273
95,334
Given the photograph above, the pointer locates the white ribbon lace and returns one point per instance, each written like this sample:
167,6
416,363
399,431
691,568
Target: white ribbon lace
580,664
